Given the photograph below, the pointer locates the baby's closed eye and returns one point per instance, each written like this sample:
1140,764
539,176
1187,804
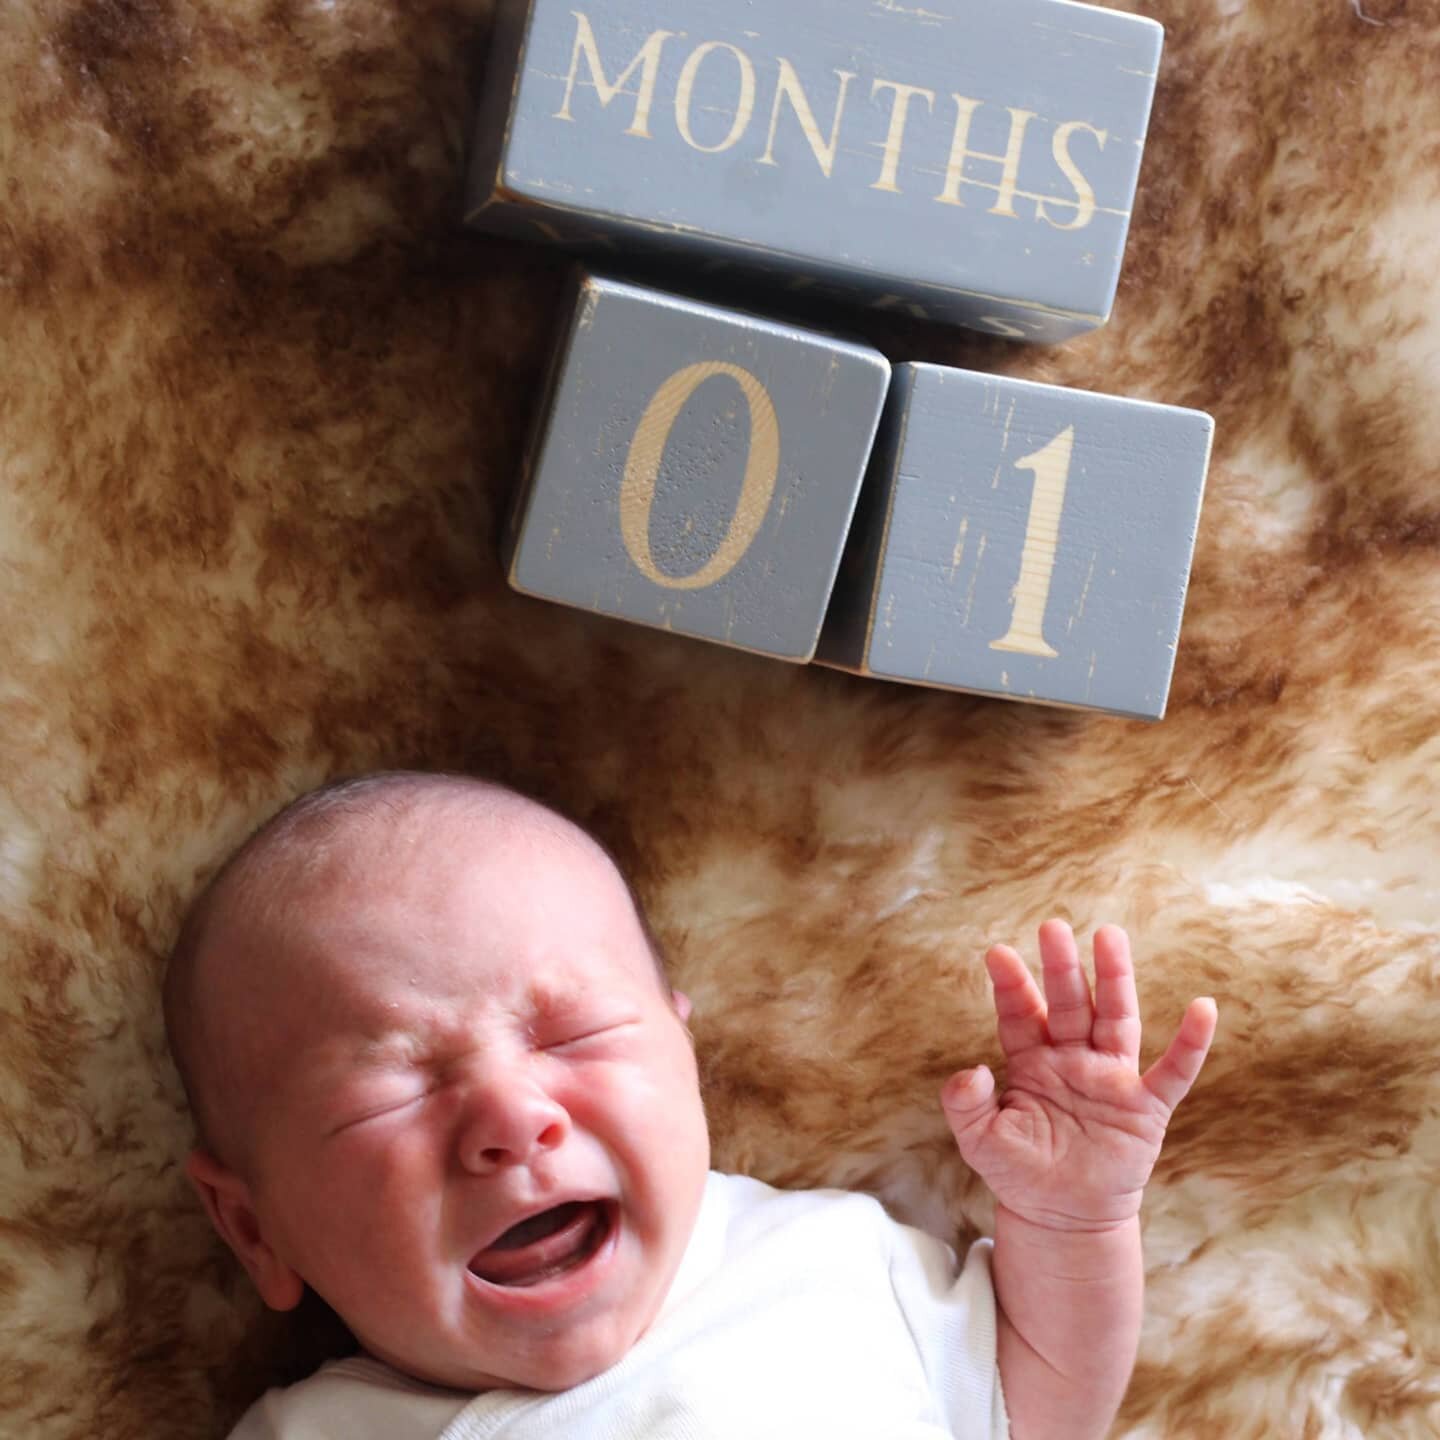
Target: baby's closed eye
574,1037
392,1100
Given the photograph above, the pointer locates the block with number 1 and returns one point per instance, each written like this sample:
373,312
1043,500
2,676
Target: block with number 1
1025,541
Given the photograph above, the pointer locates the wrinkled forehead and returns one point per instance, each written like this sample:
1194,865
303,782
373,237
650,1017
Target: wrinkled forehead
462,862
443,903
452,836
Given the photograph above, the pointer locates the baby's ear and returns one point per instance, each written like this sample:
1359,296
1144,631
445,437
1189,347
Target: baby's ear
681,1002
226,1198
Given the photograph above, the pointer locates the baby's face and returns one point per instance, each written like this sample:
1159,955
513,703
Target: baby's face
481,1138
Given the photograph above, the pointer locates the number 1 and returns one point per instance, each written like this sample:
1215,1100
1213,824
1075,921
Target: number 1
1051,467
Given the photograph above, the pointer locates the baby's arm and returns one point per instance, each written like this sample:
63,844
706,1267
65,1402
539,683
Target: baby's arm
1067,1150
1069,1324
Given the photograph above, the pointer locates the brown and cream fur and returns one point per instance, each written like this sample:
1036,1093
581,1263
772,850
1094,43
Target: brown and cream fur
261,405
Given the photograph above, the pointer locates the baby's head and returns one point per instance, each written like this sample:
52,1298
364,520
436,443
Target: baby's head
439,1077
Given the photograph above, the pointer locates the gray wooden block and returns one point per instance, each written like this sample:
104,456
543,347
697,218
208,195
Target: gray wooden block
695,468
1025,541
963,160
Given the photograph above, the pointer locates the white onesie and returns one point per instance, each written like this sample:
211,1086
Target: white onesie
794,1314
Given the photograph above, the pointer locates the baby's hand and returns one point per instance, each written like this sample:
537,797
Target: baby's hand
1071,1142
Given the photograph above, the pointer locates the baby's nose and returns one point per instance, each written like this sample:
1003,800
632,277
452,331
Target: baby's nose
507,1122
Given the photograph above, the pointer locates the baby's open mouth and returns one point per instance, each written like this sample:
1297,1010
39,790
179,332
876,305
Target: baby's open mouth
543,1246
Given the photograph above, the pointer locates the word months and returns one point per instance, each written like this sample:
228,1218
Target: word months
966,161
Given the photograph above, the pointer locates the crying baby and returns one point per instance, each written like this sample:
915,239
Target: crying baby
440,1077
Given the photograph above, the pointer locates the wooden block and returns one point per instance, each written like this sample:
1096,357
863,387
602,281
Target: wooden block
1020,540
695,468
962,160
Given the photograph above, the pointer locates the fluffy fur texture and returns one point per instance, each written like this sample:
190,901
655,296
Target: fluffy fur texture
260,410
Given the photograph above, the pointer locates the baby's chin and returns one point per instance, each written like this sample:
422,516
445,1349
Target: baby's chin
553,1357
561,1364
556,1373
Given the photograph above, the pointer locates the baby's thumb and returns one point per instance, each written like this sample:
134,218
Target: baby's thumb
968,1100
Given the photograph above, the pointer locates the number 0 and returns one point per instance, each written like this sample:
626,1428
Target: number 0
642,469
1051,468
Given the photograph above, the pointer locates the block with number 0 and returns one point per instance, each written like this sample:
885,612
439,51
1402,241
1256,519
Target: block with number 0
1025,541
695,468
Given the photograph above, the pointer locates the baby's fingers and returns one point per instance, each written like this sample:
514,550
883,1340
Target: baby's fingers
1069,1011
1169,1079
1019,1008
1117,1008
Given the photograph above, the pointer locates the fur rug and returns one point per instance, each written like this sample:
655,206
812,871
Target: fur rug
261,408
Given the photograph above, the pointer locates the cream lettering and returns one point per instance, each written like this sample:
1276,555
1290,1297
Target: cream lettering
740,78
960,151
648,57
744,107
789,88
899,110
1084,193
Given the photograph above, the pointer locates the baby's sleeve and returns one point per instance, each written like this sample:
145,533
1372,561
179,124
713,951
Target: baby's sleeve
952,1319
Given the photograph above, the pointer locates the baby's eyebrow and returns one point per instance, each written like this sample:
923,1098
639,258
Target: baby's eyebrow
378,1052
547,998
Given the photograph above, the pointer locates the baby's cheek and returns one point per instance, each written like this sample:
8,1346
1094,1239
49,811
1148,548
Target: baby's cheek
380,1165
601,1100
388,1195
665,1115
589,1089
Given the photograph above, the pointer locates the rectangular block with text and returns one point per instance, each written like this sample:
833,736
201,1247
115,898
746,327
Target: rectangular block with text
695,468
975,162
1025,541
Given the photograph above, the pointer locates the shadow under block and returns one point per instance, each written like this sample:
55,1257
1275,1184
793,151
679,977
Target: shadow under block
962,160
1025,541
695,469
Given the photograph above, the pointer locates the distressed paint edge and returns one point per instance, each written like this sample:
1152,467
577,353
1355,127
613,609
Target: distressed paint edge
886,449
1190,559
989,377
728,315
907,400
886,374
499,91
1010,697
664,629
532,457
1142,135
505,203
